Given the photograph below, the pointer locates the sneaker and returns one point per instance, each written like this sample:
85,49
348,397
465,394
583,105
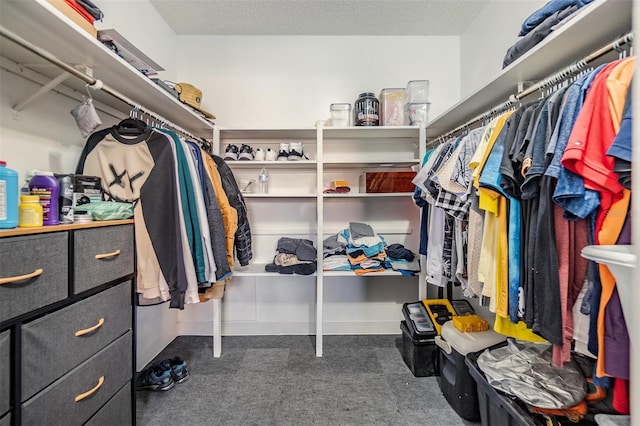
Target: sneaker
231,153
178,368
270,155
155,378
296,151
259,155
283,154
246,153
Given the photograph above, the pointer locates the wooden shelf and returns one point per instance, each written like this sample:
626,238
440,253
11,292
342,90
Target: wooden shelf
57,228
43,25
595,25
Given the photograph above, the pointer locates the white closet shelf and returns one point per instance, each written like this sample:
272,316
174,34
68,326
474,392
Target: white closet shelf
385,273
268,134
390,164
276,195
596,24
301,164
374,132
44,26
369,195
257,270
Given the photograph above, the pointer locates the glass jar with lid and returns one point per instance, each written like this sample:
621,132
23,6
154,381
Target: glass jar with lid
340,115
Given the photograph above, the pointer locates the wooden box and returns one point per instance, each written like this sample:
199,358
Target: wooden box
387,182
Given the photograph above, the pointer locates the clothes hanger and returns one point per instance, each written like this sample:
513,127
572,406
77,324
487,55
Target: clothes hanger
131,126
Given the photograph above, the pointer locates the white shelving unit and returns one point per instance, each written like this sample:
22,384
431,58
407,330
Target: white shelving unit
41,24
296,194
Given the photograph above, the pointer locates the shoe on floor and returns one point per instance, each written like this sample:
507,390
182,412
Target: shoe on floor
178,368
246,153
155,378
231,153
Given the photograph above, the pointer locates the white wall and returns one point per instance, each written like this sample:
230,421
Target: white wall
291,81
268,82
484,44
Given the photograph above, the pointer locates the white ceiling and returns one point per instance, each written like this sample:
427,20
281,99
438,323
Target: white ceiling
319,17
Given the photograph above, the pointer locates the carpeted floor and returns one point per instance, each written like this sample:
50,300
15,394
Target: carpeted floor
278,380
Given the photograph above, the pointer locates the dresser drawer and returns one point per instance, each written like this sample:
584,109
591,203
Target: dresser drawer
5,371
53,337
37,268
102,255
115,412
56,405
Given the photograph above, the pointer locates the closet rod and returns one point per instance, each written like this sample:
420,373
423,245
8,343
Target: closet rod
91,82
554,78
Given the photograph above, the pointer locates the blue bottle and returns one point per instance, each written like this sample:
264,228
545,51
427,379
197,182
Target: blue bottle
8,197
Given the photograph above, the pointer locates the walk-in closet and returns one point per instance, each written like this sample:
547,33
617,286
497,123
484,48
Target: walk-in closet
318,212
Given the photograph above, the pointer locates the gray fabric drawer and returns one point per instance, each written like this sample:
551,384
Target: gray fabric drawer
24,255
56,404
89,243
52,337
5,371
115,412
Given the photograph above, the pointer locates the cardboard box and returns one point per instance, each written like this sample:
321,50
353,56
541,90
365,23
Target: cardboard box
387,182
70,13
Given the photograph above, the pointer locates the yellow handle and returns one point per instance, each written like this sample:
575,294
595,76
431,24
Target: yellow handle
10,280
90,329
105,255
90,391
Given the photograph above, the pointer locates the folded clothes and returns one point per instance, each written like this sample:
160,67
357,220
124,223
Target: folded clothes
299,269
398,251
302,248
336,263
357,230
286,259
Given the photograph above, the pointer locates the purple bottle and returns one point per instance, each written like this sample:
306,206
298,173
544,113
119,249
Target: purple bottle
46,186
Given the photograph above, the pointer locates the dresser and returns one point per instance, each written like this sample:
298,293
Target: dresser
67,325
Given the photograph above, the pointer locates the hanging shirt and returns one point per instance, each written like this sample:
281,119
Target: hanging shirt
135,169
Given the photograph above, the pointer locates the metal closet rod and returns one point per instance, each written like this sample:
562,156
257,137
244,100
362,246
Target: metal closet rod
552,79
91,82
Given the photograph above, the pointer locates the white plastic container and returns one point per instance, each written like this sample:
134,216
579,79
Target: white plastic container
418,113
340,115
465,343
418,91
392,111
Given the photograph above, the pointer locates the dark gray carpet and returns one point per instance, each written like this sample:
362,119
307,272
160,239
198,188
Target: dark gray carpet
278,380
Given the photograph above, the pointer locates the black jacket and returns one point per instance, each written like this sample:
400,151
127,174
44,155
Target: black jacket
243,234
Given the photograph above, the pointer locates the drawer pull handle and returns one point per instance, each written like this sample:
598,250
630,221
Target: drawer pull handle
90,329
106,255
10,280
90,391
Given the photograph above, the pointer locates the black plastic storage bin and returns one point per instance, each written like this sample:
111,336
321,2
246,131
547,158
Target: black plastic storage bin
495,407
457,385
421,356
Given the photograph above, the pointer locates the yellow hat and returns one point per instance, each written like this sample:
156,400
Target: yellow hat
191,96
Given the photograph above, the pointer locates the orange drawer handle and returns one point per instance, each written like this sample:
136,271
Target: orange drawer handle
105,255
90,329
90,391
10,280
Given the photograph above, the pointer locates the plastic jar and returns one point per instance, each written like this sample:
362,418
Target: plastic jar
46,186
392,103
366,110
340,115
8,196
30,212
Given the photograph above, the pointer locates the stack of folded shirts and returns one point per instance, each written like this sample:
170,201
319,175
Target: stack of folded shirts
294,256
